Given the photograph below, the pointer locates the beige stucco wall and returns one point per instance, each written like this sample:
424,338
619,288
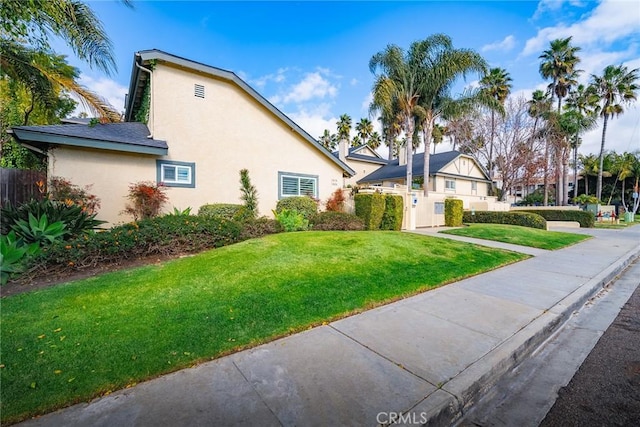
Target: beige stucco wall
108,173
225,132
361,168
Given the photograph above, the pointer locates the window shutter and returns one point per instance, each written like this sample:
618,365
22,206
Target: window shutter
290,186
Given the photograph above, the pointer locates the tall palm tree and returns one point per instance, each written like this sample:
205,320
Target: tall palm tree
559,64
440,66
497,84
584,102
391,121
623,168
539,106
615,88
364,128
397,87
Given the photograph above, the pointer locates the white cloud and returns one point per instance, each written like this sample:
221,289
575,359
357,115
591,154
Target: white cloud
354,82
366,102
623,134
277,77
314,121
314,85
611,20
505,45
106,88
553,5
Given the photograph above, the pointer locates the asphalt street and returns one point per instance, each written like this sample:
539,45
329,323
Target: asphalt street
586,374
606,389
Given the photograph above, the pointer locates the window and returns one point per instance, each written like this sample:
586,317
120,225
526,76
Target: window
438,208
292,184
449,185
176,174
474,186
198,90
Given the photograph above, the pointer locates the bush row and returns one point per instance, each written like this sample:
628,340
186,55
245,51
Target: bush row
327,221
586,219
525,219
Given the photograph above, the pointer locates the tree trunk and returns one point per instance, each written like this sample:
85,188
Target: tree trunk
546,173
565,175
575,171
426,135
409,152
601,159
493,126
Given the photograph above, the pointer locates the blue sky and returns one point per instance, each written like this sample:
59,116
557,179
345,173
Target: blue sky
310,59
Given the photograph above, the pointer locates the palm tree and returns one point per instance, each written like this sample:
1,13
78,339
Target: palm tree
440,65
328,140
24,46
497,84
374,140
584,102
437,135
589,168
344,128
397,88
364,128
616,87
391,121
623,165
539,107
559,64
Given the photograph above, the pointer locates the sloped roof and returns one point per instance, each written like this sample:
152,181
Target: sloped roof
393,169
130,137
353,154
139,77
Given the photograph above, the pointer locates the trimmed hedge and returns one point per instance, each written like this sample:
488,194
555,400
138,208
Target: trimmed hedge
331,220
302,204
370,207
453,210
525,219
228,211
259,227
393,212
166,235
586,219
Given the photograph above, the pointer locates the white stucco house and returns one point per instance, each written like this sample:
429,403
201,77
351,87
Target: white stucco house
192,127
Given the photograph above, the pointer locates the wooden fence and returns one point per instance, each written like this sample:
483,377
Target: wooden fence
18,186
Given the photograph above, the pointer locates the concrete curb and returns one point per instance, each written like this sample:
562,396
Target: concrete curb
448,404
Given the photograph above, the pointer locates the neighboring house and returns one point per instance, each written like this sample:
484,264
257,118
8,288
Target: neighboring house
450,172
451,175
363,160
203,125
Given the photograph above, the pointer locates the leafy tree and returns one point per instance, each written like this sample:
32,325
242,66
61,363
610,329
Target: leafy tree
539,107
249,194
496,84
615,88
590,164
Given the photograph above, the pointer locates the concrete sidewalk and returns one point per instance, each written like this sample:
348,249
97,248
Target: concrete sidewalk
427,357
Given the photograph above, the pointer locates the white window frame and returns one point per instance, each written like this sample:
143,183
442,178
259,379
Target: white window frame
282,176
448,186
188,182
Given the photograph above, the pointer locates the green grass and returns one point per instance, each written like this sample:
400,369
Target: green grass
75,341
524,236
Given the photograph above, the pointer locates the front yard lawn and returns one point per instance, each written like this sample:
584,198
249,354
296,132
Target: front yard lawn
79,340
524,236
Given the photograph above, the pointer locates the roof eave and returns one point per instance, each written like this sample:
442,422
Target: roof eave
24,136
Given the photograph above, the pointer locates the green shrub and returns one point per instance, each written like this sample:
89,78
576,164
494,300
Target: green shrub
249,195
586,219
453,211
370,207
39,230
331,220
14,255
165,235
525,219
302,204
393,212
291,220
62,190
228,211
258,227
76,219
